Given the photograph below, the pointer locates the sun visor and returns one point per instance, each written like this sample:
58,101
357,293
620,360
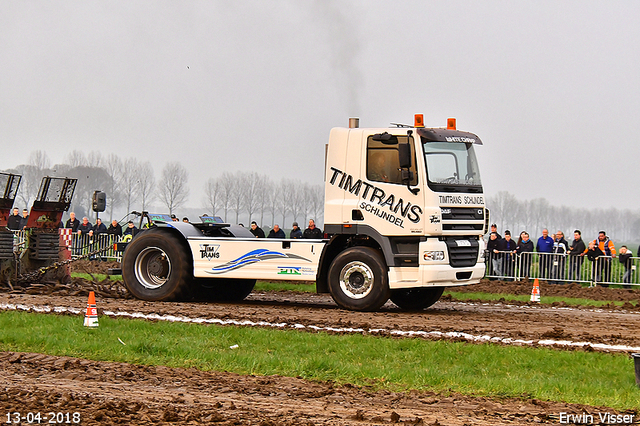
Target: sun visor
446,135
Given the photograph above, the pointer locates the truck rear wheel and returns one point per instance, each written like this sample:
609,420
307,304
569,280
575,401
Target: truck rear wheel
155,266
223,289
416,298
358,279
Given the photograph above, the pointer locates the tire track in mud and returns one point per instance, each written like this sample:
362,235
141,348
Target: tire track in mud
306,316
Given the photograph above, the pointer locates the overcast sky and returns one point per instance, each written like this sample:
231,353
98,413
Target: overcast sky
551,87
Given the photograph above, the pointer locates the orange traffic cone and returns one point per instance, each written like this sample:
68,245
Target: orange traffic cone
91,316
535,292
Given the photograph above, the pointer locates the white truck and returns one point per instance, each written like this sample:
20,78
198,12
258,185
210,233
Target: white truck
403,219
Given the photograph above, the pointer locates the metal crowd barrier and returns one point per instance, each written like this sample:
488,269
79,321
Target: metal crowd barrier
84,244
80,245
562,268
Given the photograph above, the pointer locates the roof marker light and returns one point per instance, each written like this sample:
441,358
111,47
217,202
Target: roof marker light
451,123
419,120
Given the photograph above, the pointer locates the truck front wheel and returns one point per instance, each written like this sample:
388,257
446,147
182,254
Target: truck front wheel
358,279
416,298
155,266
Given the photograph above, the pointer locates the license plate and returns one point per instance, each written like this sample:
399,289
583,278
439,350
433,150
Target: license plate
463,243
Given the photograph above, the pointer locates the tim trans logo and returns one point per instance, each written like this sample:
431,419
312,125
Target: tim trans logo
209,251
289,270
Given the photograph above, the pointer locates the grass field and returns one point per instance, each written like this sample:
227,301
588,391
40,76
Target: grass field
396,364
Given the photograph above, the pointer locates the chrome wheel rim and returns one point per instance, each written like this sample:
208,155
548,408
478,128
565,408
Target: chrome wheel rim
152,268
356,280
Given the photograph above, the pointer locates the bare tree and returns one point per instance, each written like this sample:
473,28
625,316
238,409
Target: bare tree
146,183
227,182
76,159
129,181
39,160
94,159
251,191
236,197
213,194
173,189
113,167
264,196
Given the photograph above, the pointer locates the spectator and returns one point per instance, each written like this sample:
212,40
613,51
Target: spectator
560,247
256,231
85,227
494,228
115,229
25,219
185,219
625,259
593,253
72,223
296,232
495,261
576,256
524,248
13,222
545,246
131,229
98,228
276,232
606,246
312,232
507,248
174,218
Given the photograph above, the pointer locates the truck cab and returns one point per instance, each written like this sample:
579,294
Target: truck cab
415,195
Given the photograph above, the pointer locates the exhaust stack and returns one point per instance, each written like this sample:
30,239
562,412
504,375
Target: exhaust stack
354,122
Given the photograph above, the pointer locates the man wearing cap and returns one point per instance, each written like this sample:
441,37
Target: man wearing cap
296,232
494,228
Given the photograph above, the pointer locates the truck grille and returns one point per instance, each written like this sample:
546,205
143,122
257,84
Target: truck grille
462,213
463,252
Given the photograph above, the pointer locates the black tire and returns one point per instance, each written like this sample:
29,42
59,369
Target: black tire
413,299
156,266
358,279
222,289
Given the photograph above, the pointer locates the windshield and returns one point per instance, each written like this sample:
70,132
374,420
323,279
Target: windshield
451,167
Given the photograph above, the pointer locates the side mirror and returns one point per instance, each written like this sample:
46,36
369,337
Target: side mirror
404,156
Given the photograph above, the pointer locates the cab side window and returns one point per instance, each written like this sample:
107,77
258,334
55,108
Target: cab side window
382,161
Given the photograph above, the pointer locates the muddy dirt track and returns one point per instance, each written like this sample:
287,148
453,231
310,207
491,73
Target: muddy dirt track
129,394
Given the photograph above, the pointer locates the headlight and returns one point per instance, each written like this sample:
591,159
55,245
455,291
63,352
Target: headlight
433,255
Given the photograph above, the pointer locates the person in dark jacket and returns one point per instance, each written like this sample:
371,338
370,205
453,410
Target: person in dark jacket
296,232
593,253
495,260
24,219
545,245
256,230
85,227
276,232
312,232
72,223
507,248
98,228
115,229
576,256
130,230
13,222
524,248
625,259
